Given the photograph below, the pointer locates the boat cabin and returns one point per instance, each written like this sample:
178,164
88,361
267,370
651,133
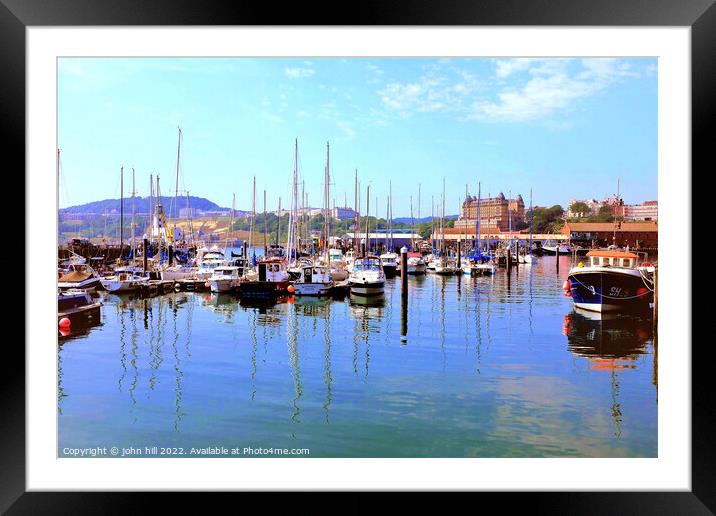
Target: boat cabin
609,258
368,263
227,272
272,270
315,274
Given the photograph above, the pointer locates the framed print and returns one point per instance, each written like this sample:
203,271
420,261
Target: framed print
419,251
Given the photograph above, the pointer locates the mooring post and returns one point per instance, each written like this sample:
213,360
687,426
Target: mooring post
245,250
170,254
459,252
557,257
145,253
362,247
404,320
404,272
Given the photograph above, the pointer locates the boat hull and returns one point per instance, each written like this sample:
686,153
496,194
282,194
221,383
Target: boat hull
609,291
312,289
223,285
263,288
374,288
390,270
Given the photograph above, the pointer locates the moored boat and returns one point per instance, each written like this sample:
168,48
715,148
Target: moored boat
389,262
367,277
79,276
225,278
611,281
271,280
315,280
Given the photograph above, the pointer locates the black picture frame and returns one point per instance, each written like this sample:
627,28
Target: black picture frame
700,15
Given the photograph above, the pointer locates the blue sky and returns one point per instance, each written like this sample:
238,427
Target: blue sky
567,128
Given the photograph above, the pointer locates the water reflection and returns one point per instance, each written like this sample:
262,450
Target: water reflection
479,377
611,343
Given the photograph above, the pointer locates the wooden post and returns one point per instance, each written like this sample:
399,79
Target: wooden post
557,256
170,254
245,250
459,258
145,253
404,272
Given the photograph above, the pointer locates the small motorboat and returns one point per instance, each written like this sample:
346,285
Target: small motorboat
225,278
367,277
389,262
315,280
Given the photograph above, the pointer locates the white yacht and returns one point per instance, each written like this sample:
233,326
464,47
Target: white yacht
445,266
124,279
225,278
389,261
367,277
207,260
416,264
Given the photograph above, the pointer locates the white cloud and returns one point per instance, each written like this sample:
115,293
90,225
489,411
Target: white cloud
550,88
299,73
347,129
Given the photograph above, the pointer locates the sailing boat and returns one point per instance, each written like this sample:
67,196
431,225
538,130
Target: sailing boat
478,264
528,258
177,271
389,260
444,264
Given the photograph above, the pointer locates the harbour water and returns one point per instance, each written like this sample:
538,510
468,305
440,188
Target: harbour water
489,367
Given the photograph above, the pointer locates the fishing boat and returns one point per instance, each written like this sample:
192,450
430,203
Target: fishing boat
271,279
225,278
315,280
389,262
367,277
125,279
79,276
445,266
613,280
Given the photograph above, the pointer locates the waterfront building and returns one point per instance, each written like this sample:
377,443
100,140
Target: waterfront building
494,213
632,234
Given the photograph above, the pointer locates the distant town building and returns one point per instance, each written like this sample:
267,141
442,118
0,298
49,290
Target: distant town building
615,203
494,212
648,210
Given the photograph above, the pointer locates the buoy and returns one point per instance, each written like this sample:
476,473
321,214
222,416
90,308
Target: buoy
291,289
567,285
641,291
65,322
580,264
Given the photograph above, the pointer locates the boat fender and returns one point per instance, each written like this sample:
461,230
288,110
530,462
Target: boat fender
641,291
291,289
568,293
646,264
65,323
567,285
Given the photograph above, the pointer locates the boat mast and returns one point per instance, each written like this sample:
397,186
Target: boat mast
176,186
367,220
477,223
412,226
121,210
531,217
509,217
151,205
191,223
265,228
391,216
278,225
356,217
231,222
252,224
132,225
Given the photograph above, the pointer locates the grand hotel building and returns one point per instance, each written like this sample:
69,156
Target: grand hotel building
494,213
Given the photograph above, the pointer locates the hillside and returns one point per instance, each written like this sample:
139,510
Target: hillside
142,205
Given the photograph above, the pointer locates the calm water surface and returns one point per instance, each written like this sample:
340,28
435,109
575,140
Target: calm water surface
489,368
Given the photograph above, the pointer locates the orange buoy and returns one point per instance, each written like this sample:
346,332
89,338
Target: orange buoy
291,289
65,322
567,285
568,293
641,291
